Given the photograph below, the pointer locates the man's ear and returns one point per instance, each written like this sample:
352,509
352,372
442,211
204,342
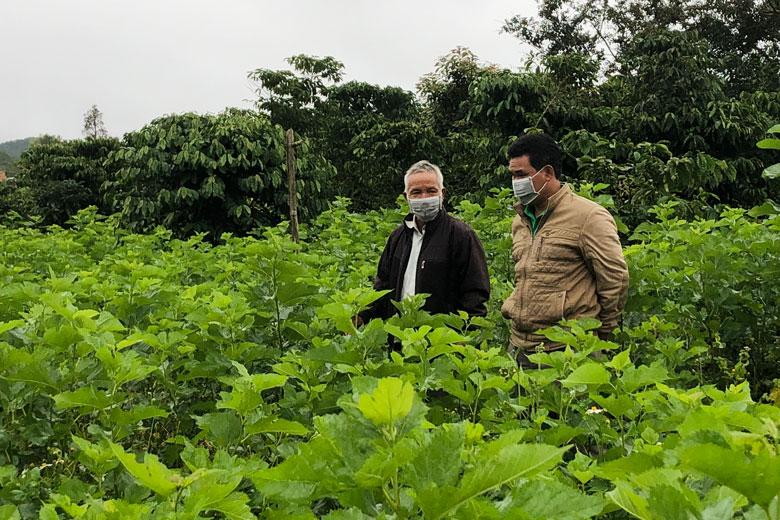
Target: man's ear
443,193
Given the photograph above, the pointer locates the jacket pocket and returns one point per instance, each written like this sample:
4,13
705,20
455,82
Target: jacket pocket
545,309
508,307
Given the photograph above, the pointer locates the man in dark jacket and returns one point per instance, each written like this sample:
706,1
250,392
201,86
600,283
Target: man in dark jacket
431,252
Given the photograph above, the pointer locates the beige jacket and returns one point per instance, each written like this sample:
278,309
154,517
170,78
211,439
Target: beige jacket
573,268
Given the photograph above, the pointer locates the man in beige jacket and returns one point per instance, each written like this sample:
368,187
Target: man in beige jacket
568,259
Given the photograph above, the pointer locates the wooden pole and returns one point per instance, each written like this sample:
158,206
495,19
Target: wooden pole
292,192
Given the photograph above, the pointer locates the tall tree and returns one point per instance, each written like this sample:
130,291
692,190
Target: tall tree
292,97
93,123
742,35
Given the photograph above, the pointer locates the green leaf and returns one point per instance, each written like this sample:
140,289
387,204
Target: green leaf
620,361
341,315
136,414
234,507
634,378
87,398
262,382
772,172
10,325
617,405
297,478
150,473
275,425
618,469
48,512
438,461
391,401
588,374
769,144
544,499
211,490
630,501
668,502
758,477
507,464
224,428
101,456
9,512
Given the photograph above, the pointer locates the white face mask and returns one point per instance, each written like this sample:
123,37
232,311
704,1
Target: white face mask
425,209
524,190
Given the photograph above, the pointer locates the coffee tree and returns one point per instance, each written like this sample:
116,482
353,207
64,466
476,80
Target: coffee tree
211,173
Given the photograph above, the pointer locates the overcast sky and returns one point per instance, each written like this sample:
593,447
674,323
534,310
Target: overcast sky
140,59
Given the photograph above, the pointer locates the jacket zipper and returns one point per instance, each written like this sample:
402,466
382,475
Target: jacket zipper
525,278
539,250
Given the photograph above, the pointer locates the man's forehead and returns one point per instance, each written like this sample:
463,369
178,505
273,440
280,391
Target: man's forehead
519,162
423,178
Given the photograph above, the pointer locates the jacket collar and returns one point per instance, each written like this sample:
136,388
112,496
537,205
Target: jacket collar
429,226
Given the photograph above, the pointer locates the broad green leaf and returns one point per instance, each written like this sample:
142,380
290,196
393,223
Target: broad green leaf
87,398
438,461
10,325
9,512
772,172
48,512
298,478
668,502
234,507
392,400
67,505
757,477
136,414
347,514
224,428
588,374
508,464
618,469
617,405
620,361
634,378
275,425
545,499
212,489
629,501
101,455
150,473
383,464
262,382
769,144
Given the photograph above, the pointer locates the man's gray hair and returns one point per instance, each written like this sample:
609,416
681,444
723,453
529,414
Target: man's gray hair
423,166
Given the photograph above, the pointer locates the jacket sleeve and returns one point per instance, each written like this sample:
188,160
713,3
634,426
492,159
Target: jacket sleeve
472,272
604,256
382,281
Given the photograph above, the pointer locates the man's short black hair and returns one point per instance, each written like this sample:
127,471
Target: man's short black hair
541,150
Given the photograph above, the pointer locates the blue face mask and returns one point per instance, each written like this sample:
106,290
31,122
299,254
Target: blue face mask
425,209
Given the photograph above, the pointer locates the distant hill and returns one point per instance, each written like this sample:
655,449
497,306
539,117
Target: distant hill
17,147
7,164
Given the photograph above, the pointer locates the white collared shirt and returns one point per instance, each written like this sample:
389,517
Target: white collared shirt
410,276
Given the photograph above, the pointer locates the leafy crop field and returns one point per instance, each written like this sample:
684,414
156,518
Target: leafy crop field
147,377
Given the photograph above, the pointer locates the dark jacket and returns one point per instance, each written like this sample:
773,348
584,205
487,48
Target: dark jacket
451,268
